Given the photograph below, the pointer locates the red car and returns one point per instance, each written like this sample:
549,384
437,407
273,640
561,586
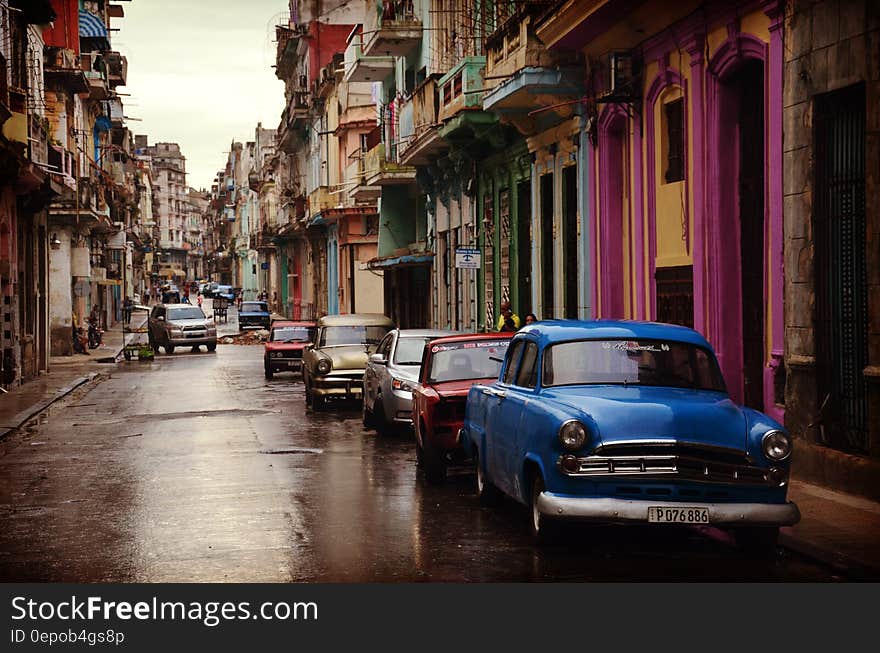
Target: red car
284,349
450,366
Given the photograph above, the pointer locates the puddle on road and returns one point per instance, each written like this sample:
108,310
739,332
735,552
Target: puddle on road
295,450
224,412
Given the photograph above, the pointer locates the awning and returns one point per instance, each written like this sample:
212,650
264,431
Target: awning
91,26
401,261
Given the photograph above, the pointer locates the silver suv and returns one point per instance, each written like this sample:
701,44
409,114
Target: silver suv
181,325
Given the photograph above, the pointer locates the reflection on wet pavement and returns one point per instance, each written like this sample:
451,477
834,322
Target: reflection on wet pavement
194,468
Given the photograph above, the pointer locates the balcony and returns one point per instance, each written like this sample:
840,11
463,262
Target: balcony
379,170
95,69
286,55
420,142
362,68
322,199
395,33
117,69
460,88
359,191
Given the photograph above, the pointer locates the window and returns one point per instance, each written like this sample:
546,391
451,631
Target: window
512,360
528,370
675,140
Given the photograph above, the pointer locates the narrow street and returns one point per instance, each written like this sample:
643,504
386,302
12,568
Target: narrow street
194,468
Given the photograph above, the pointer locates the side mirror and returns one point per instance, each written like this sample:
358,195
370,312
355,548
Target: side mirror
379,359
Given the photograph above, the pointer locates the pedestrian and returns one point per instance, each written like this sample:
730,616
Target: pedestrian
126,309
508,325
199,299
186,293
506,312
531,318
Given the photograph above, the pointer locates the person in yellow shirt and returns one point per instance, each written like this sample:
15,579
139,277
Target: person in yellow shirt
507,313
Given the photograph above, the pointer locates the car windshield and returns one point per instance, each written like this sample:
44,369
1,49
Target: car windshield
293,334
460,361
186,313
254,307
352,335
409,351
636,362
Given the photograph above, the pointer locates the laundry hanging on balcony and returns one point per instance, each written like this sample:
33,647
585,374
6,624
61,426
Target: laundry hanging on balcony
91,26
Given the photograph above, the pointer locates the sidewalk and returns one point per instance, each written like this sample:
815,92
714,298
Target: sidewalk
842,530
66,373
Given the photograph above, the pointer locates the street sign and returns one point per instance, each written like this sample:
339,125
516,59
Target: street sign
468,258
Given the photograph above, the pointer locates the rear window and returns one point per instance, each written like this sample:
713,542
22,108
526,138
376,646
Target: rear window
461,361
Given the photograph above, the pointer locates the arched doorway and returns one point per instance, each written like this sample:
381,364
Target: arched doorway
737,188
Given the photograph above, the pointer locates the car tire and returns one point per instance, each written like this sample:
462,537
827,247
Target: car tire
154,345
269,372
487,493
212,346
381,423
169,349
367,416
434,462
543,528
759,542
308,392
318,402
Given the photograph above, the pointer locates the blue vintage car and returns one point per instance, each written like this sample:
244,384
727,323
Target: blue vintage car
254,314
626,422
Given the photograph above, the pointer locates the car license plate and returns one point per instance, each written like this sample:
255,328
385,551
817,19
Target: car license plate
678,515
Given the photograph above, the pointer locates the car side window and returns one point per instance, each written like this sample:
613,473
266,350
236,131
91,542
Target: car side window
512,360
528,369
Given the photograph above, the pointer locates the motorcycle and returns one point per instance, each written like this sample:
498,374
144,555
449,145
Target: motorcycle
96,335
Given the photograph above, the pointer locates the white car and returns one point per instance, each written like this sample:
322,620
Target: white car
391,374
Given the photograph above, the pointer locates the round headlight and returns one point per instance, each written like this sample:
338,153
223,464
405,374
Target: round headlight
323,366
572,435
776,445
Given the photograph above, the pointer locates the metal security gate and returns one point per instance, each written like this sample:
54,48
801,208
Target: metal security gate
841,271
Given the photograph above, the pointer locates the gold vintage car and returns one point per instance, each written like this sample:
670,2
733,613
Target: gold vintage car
334,365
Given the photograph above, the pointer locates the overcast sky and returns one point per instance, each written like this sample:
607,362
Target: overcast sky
200,74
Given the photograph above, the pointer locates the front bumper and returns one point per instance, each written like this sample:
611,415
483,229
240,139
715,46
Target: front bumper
401,406
263,323
178,341
284,364
623,510
328,386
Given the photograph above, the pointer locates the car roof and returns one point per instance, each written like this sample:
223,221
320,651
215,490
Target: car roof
356,319
291,323
549,331
180,306
426,333
467,337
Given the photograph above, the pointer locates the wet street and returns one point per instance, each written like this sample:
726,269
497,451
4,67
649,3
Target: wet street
194,468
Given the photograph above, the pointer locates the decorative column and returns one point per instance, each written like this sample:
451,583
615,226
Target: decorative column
695,50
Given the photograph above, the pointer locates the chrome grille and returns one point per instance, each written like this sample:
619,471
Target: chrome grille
666,461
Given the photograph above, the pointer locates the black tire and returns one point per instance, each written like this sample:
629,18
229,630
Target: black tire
380,422
543,528
434,463
759,542
487,493
212,346
318,402
367,417
308,391
169,349
269,372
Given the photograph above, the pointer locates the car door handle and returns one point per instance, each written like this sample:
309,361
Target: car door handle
492,392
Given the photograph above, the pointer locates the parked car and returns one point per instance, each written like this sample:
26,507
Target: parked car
254,314
334,365
390,375
449,368
180,325
210,289
225,292
284,349
627,422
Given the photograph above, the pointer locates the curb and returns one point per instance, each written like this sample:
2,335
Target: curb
845,565
27,414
